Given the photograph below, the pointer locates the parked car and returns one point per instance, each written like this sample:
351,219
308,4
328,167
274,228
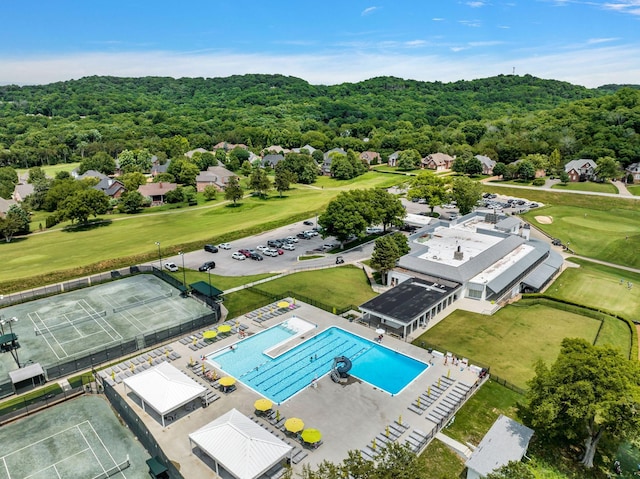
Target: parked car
207,266
274,243
304,235
256,256
224,246
262,247
209,248
288,246
339,260
291,239
239,256
556,242
312,232
270,252
171,266
372,230
330,245
245,252
307,223
280,251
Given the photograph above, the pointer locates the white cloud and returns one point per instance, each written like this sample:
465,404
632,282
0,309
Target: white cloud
369,11
437,19
471,23
591,66
596,41
476,4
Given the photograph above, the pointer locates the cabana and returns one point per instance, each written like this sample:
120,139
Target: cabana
164,388
240,446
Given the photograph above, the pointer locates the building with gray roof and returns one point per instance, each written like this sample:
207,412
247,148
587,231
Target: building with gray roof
506,441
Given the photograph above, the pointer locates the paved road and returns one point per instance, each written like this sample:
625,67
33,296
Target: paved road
623,192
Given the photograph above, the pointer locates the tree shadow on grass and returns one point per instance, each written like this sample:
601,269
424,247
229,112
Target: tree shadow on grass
89,225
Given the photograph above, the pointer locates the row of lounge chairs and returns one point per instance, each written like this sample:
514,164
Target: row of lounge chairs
197,341
297,454
119,372
390,434
449,404
272,310
202,379
431,395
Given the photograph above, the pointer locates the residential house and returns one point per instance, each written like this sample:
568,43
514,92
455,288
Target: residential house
487,164
370,156
326,164
271,160
437,161
156,191
190,153
634,170
393,158
5,205
21,191
110,187
506,441
581,170
223,145
216,176
276,149
88,174
157,167
307,147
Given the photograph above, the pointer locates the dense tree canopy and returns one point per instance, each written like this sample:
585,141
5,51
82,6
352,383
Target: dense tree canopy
588,393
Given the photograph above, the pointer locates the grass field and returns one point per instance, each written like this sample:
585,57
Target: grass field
511,340
51,170
609,235
587,186
598,286
634,190
340,287
136,235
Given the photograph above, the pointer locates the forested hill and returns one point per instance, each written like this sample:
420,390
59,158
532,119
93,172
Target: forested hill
481,98
504,117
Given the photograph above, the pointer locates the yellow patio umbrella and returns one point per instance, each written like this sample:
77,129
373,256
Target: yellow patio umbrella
283,304
227,381
209,334
311,436
294,424
224,328
262,405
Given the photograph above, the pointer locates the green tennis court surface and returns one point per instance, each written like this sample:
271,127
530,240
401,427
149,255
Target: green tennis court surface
57,328
81,438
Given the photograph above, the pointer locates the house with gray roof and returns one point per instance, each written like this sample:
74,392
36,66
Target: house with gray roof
326,164
216,176
487,164
5,205
21,191
110,187
307,147
634,170
581,170
482,256
271,160
393,158
506,441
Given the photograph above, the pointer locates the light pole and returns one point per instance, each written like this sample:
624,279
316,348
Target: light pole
14,346
184,273
159,254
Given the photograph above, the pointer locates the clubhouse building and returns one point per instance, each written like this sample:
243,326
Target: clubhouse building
486,257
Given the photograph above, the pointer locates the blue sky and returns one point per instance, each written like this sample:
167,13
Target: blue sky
588,43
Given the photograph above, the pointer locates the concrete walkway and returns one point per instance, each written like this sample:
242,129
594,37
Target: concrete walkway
460,449
626,194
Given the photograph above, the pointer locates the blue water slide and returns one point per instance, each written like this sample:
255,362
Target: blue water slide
342,365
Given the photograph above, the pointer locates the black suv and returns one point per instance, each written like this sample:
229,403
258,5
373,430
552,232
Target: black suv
256,256
210,248
207,266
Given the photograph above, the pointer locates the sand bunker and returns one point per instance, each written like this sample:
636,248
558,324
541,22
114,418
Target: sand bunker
544,220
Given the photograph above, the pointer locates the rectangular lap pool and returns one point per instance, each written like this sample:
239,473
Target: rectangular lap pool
281,377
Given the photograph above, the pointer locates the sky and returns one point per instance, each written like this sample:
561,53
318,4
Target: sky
588,43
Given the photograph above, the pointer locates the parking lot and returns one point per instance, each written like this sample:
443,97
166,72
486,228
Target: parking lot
227,266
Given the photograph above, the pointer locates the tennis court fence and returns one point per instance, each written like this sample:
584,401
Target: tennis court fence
55,327
114,470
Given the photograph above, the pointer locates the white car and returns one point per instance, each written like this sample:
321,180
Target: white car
262,247
288,246
373,230
239,256
311,232
291,239
224,246
171,266
270,252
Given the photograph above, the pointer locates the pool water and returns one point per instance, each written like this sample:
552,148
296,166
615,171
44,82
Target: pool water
281,377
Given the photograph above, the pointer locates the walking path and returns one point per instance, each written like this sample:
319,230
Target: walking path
622,190
460,449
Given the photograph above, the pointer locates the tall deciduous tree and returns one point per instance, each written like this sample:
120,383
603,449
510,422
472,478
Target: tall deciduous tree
283,179
233,191
346,215
84,204
386,208
408,160
384,256
589,392
466,192
607,168
431,187
259,182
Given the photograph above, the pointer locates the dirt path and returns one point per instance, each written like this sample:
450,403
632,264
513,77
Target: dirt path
638,331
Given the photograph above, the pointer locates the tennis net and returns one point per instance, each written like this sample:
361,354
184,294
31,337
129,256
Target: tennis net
114,470
54,327
142,302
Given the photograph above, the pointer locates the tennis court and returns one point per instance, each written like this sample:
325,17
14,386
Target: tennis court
81,438
54,329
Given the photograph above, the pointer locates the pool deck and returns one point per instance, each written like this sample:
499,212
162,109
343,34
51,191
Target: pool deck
349,416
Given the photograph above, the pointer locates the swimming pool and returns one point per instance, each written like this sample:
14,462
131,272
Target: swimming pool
281,377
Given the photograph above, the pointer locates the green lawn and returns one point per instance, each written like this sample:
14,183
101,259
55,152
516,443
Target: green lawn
587,186
442,462
51,170
609,235
128,236
598,286
511,340
336,287
634,190
221,282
